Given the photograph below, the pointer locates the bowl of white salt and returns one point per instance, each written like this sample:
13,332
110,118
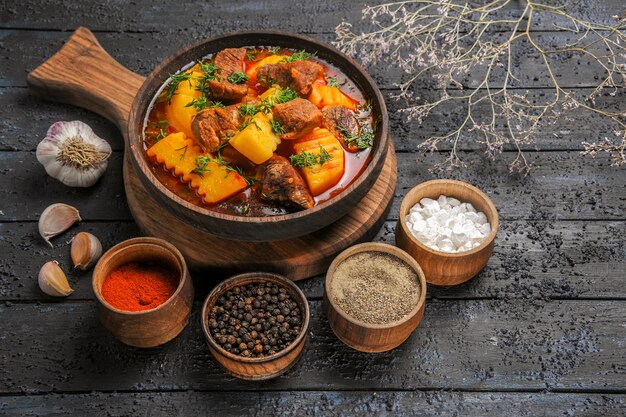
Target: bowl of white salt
449,228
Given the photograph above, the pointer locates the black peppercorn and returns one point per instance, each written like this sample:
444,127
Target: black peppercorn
255,320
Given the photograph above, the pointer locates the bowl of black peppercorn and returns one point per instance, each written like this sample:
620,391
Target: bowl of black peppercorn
256,325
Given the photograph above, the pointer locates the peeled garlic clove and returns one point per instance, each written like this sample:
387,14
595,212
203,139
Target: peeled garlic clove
52,280
56,219
86,250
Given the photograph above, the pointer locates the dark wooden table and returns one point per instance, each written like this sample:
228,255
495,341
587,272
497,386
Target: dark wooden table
541,331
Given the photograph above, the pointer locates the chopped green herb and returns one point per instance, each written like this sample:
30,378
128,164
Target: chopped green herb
161,124
332,82
210,71
266,80
243,209
273,51
202,103
286,94
307,159
238,170
161,135
324,156
252,54
201,165
227,138
300,56
247,123
253,108
248,109
176,79
237,77
362,141
277,128
303,160
184,149
365,107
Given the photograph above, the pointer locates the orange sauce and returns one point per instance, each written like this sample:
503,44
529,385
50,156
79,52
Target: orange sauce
247,203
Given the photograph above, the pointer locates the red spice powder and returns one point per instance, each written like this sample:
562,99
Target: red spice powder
139,286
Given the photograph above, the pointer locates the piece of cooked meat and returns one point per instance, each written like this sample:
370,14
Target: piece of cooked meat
279,181
297,117
228,61
340,120
298,75
213,127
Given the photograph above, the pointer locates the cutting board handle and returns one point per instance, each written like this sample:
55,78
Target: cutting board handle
85,75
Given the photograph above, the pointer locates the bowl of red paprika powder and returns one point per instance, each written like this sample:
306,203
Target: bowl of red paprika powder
144,291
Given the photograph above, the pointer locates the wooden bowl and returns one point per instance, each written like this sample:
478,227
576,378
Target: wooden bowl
442,268
258,228
147,328
257,369
367,337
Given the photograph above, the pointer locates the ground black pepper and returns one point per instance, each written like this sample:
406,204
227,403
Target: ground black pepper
375,287
255,320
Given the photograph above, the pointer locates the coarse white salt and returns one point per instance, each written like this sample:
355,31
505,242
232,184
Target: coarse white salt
447,225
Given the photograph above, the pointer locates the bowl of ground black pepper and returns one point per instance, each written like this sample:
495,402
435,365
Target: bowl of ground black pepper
375,295
143,291
256,325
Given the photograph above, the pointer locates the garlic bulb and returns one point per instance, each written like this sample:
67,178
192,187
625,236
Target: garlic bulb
86,250
73,154
56,219
52,280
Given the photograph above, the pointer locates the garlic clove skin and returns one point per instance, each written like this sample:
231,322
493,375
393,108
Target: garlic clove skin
56,219
52,280
81,172
86,250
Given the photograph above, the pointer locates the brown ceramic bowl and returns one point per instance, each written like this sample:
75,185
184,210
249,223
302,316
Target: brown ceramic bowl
258,228
147,328
367,337
256,369
442,268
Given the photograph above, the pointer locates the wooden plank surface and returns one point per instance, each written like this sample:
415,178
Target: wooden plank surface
200,16
142,52
532,260
564,186
317,403
25,119
460,344
539,332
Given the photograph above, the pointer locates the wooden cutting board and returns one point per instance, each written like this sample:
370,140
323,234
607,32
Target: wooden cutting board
84,74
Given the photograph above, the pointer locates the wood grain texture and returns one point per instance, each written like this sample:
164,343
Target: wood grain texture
562,186
561,237
199,16
257,228
316,403
296,259
257,369
351,213
83,74
142,52
367,337
532,260
25,119
469,345
447,268
148,328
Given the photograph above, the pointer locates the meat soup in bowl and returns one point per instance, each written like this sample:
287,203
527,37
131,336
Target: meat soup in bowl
284,171
258,131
